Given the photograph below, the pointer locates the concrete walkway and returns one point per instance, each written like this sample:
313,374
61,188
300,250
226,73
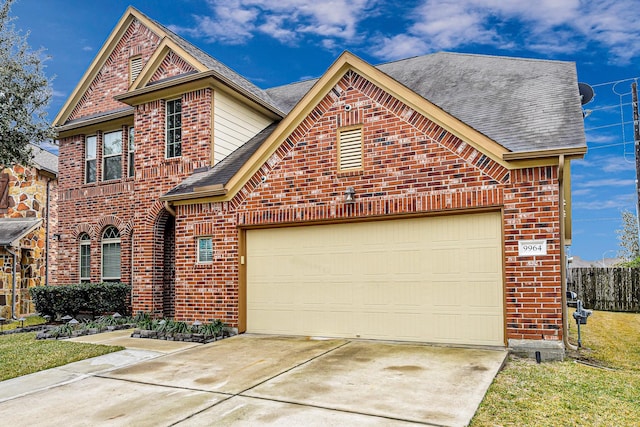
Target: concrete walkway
256,380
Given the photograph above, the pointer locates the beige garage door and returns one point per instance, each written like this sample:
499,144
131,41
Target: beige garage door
433,279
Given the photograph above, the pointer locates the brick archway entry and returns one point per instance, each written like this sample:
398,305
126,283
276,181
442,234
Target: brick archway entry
164,276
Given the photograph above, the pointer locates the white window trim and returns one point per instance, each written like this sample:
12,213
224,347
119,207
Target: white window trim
109,241
87,159
84,243
131,171
105,157
198,240
166,129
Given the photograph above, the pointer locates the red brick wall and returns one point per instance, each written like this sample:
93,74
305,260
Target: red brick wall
411,165
131,204
113,77
172,65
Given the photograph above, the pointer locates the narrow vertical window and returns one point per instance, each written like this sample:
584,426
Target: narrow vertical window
90,159
112,156
85,258
111,254
205,249
174,128
132,152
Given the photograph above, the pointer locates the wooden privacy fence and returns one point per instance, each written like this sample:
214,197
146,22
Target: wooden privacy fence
607,289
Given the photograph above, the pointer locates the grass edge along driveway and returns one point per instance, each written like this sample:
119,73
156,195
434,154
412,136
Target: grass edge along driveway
570,393
22,354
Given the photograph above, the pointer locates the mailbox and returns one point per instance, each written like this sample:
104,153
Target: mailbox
581,314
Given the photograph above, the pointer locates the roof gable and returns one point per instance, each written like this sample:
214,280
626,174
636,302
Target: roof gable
522,104
162,44
345,63
130,24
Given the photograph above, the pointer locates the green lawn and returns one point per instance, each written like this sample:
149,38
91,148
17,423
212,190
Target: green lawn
569,393
22,354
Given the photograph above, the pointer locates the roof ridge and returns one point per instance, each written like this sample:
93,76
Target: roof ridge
233,74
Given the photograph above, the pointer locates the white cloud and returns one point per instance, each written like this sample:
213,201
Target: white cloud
232,23
543,26
400,46
548,27
622,201
236,21
610,182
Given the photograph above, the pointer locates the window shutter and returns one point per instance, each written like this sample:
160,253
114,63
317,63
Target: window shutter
350,142
135,65
4,191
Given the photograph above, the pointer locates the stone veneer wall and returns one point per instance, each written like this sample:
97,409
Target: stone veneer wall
28,199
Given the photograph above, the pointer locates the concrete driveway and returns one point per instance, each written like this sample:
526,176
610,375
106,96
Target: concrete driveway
258,380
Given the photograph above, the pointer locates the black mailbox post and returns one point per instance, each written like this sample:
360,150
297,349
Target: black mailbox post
581,315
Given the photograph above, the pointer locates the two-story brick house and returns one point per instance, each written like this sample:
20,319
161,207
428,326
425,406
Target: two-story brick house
28,224
424,200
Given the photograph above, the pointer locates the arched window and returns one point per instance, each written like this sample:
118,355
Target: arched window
85,257
111,254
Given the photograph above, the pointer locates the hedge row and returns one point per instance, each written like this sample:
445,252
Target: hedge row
94,298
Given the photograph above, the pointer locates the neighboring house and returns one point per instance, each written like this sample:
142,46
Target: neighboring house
28,197
384,202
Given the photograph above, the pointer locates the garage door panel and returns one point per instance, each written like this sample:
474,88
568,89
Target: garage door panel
427,279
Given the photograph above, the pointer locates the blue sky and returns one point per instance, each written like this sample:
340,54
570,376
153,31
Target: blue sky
274,42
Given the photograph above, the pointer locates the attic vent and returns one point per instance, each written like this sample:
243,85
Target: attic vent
350,148
135,66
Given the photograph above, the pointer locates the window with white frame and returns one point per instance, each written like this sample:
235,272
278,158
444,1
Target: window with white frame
174,128
205,249
90,155
132,152
111,254
112,155
85,258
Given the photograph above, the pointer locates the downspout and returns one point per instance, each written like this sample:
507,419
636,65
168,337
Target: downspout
46,238
13,284
563,264
169,208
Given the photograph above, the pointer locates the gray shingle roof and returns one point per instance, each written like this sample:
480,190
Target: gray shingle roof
522,104
44,159
12,229
224,170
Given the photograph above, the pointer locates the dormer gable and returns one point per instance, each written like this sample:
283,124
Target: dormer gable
138,54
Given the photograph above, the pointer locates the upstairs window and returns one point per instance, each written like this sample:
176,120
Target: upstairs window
90,159
350,148
112,156
85,258
174,128
132,152
111,254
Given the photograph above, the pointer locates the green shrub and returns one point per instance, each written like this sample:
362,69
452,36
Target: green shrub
94,298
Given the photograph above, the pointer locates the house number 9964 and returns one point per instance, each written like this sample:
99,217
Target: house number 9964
532,247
